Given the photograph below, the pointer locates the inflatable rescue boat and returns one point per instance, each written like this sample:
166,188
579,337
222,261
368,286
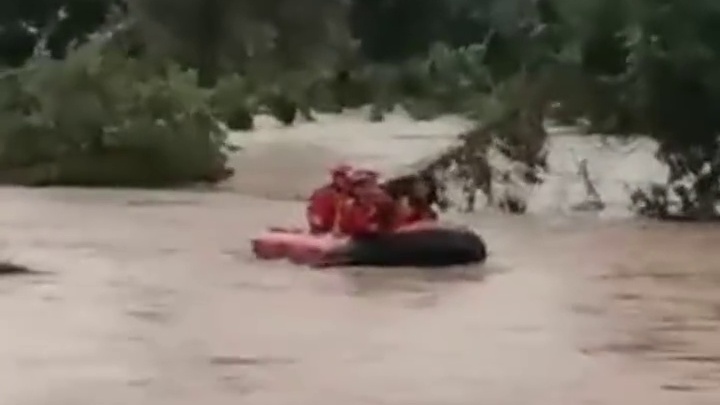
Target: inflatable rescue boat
420,245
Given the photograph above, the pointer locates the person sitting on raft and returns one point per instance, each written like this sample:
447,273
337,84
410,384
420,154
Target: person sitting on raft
416,206
370,211
323,210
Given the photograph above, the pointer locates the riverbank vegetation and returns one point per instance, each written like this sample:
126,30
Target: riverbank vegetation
131,92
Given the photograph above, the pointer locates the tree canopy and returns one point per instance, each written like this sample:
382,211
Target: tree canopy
647,67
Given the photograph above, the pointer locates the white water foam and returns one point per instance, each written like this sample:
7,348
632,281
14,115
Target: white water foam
616,166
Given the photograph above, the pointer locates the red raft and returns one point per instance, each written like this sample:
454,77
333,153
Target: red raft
295,245
426,244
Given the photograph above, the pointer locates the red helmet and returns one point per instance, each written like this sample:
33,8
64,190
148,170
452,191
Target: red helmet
364,175
341,170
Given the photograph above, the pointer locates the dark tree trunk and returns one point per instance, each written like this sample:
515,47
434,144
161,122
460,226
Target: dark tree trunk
210,26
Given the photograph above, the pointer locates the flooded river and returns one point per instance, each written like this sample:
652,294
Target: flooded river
152,298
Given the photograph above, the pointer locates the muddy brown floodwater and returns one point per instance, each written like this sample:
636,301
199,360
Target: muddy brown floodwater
153,298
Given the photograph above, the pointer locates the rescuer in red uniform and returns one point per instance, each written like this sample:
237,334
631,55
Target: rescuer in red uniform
370,210
324,206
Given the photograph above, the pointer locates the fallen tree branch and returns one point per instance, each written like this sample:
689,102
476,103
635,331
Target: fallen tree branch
593,200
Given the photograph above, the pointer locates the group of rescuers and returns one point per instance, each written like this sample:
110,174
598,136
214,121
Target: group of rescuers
355,204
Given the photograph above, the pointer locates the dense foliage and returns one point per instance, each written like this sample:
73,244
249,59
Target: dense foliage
101,118
613,66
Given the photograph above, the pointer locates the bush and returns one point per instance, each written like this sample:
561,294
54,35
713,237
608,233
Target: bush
422,109
320,95
99,118
233,103
282,107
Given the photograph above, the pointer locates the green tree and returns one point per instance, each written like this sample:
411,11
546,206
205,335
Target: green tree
56,24
99,118
260,37
674,71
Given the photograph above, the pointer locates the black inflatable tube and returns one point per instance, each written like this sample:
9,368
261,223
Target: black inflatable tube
421,248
